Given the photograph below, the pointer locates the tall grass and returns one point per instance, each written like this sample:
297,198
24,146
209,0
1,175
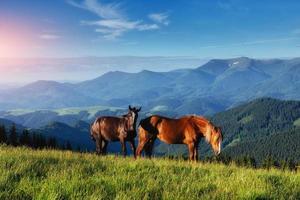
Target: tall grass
51,174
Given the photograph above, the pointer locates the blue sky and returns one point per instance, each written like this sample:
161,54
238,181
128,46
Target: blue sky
199,28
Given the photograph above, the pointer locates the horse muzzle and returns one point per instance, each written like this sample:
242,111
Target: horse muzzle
217,152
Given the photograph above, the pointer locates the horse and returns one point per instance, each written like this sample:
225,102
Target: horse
185,130
108,128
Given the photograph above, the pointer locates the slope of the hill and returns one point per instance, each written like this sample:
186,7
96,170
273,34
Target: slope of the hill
49,174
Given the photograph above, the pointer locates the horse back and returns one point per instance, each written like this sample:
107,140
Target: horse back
108,127
171,131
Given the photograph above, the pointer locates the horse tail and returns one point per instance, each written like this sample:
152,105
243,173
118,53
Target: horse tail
92,131
150,125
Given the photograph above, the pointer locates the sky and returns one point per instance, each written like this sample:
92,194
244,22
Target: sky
190,28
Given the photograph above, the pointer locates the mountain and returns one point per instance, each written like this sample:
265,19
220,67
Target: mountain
8,123
261,117
62,132
280,146
70,116
215,86
45,94
260,128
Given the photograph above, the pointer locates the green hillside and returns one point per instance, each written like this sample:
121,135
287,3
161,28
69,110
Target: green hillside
280,146
261,117
49,174
261,128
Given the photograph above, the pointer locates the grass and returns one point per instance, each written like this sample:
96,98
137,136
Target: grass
297,122
246,119
51,174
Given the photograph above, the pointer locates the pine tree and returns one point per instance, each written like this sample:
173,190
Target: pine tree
291,165
42,141
3,134
34,143
68,146
51,142
269,162
25,138
78,148
252,162
13,137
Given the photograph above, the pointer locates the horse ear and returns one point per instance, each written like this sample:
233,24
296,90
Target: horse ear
139,109
129,107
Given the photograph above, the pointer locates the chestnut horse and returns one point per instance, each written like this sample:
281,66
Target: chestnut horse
121,129
185,130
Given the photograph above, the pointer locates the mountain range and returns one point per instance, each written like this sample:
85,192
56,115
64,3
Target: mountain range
215,86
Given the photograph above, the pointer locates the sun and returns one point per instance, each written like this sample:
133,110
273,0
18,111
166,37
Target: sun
16,40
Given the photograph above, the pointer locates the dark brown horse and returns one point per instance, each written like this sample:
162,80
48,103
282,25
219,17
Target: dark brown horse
186,130
121,129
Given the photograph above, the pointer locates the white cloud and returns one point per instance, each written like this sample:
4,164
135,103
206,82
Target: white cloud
49,36
106,11
161,18
114,28
145,27
113,23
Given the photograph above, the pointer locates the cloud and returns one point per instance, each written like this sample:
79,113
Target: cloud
106,11
49,36
113,23
114,28
161,18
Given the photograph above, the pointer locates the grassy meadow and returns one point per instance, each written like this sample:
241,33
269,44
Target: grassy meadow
52,174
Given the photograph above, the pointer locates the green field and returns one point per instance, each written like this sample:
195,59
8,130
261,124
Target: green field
297,122
50,174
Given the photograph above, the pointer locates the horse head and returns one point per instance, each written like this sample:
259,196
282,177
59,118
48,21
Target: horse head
216,139
132,117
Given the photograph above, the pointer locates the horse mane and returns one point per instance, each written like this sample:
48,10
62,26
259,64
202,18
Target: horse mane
203,123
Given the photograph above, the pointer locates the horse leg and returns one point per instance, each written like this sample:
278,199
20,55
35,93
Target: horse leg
149,147
196,151
191,147
99,145
104,147
142,141
132,144
124,150
140,147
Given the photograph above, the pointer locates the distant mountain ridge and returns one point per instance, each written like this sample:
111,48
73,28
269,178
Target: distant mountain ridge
225,81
